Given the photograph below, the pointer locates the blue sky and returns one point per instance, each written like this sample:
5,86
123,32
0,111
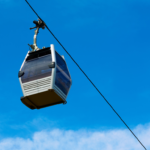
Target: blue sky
110,40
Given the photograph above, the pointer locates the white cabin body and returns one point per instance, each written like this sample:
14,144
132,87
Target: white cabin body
44,78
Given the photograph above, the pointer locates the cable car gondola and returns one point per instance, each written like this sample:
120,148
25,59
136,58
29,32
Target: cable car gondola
44,76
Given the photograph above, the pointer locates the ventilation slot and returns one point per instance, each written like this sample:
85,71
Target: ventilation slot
37,86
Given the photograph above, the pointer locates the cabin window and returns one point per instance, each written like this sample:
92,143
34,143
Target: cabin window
63,81
62,64
36,68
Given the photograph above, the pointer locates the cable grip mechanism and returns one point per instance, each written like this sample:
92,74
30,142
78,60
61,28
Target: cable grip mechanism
39,24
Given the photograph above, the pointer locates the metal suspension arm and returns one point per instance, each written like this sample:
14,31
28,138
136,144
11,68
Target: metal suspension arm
39,24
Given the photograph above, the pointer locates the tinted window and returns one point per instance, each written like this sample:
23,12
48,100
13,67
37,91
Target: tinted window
36,68
62,64
63,82
40,53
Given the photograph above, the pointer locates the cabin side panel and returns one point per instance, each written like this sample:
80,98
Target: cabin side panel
63,80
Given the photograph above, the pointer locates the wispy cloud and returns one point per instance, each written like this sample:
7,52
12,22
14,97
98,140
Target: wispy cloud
118,139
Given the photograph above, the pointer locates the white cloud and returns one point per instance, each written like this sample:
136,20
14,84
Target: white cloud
118,139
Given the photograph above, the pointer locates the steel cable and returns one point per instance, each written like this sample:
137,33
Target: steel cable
88,78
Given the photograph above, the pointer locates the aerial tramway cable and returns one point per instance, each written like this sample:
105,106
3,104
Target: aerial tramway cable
87,77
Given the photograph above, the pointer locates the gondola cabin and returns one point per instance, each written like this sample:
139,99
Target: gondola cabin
44,78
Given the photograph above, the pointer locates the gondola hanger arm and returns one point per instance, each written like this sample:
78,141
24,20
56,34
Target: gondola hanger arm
39,24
